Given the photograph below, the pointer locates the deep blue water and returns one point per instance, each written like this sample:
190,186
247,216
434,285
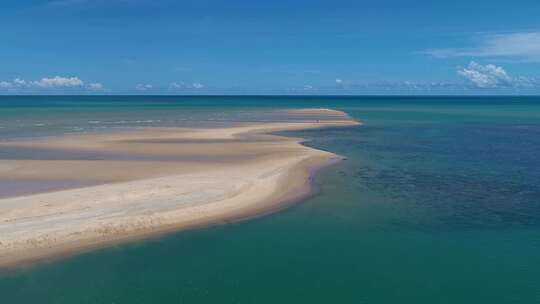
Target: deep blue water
437,202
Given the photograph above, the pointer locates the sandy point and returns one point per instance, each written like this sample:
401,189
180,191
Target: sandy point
150,181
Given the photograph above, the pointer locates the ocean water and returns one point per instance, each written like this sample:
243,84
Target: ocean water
437,202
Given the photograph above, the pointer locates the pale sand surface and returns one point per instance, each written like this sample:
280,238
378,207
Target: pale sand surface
170,179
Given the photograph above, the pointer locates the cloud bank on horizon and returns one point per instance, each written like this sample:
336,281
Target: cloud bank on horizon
49,83
475,76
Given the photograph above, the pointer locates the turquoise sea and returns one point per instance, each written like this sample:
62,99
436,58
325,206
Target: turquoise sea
437,202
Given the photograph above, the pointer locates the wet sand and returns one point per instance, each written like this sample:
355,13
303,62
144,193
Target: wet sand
127,185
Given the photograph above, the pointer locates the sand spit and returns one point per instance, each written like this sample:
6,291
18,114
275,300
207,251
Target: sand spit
155,180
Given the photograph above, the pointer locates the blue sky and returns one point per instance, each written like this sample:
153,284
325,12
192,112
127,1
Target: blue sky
270,47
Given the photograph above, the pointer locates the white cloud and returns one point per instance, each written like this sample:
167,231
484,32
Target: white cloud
524,45
177,85
485,76
58,82
95,86
182,85
46,83
478,78
19,82
398,86
490,76
144,87
6,85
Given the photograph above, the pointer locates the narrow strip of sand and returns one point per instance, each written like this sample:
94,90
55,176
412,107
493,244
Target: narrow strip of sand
155,180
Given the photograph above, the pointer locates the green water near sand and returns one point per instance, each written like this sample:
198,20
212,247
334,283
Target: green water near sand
438,202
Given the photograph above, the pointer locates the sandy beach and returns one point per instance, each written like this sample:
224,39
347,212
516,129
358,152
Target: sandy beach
133,184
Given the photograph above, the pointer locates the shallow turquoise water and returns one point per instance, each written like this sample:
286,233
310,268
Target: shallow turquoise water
438,202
